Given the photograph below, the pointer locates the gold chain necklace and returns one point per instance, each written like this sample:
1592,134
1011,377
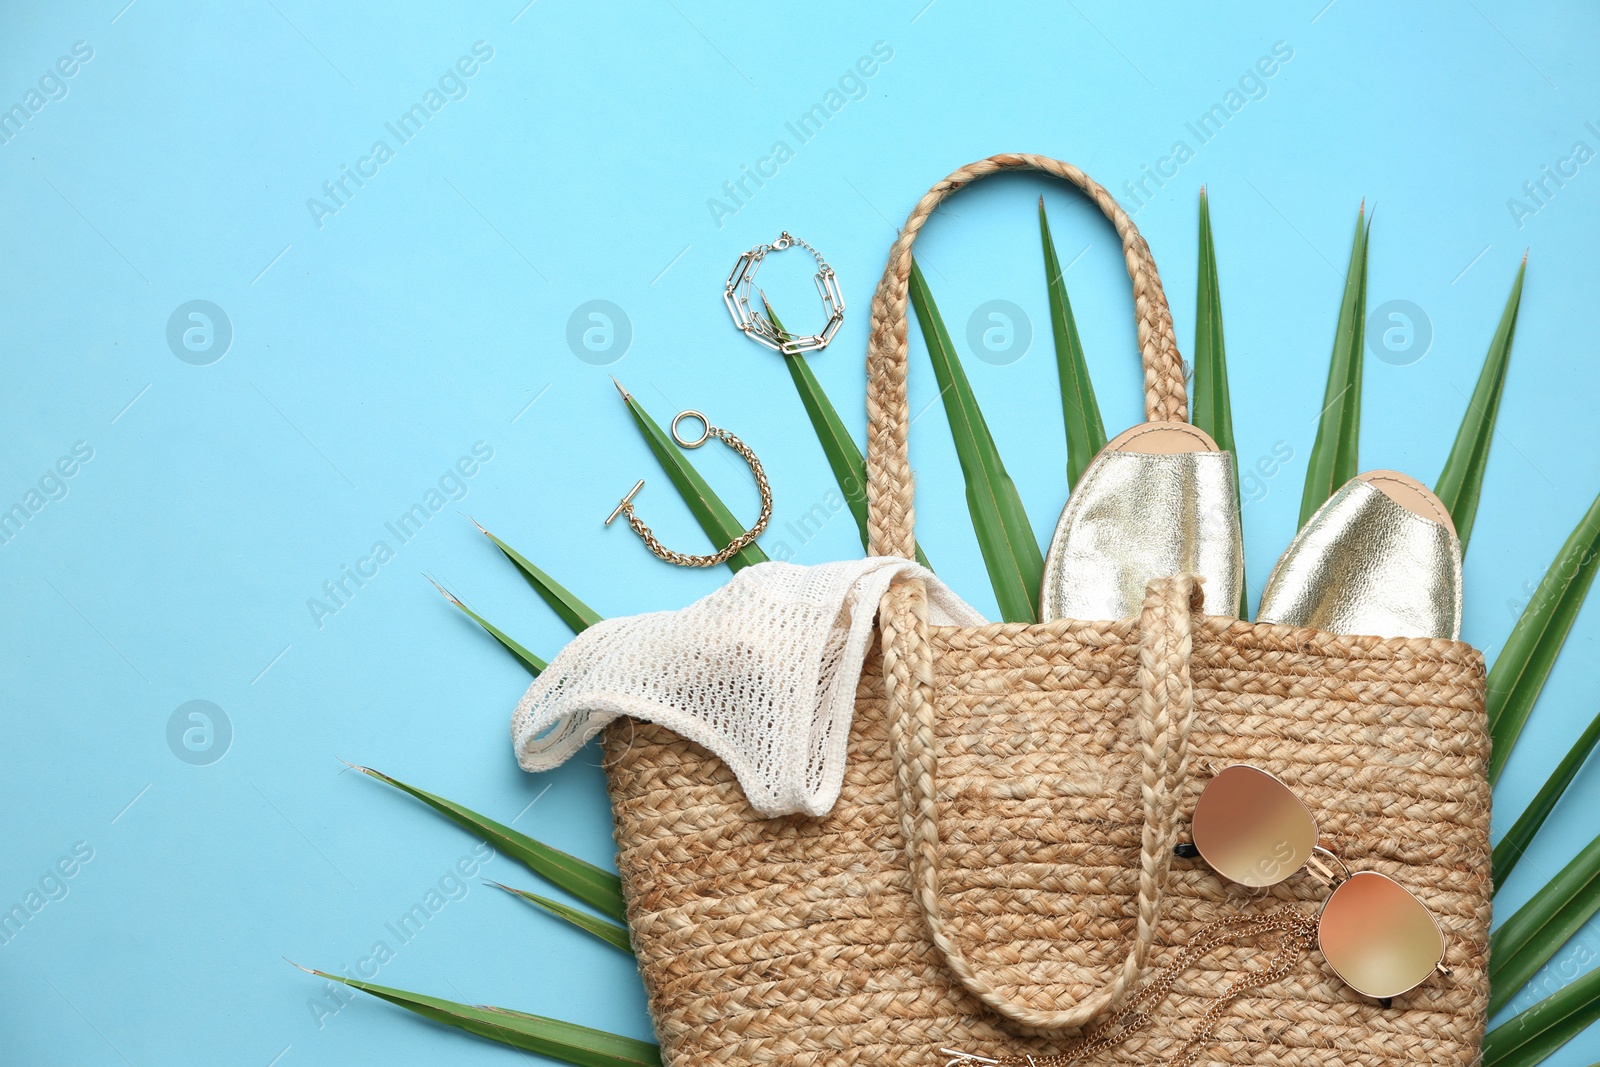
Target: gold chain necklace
1296,933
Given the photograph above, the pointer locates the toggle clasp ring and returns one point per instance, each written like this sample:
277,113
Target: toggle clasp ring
705,428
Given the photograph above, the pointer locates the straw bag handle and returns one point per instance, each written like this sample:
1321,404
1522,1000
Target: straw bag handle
1166,702
890,514
1164,716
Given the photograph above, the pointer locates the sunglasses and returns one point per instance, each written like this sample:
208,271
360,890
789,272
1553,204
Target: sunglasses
1375,934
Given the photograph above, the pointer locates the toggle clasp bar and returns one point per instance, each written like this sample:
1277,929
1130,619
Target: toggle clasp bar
627,501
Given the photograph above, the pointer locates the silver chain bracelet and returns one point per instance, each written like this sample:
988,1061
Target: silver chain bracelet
757,325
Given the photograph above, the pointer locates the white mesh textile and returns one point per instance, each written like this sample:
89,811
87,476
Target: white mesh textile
761,672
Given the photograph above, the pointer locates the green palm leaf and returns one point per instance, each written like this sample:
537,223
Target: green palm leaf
595,886
567,1042
1080,411
574,612
1534,1035
609,932
1213,410
714,516
534,664
1522,667
1010,550
1522,832
1462,478
1333,458
844,458
1541,926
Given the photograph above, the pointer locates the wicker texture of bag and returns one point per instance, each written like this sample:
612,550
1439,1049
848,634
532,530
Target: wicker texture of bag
998,871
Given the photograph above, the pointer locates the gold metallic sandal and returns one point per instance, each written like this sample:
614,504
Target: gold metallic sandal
1158,500
1381,557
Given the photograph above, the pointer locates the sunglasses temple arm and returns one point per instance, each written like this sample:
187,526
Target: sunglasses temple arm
1185,850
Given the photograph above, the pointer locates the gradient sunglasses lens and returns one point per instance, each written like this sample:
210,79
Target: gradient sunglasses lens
1251,828
1377,936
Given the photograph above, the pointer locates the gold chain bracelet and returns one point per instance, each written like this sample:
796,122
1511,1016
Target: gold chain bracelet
738,543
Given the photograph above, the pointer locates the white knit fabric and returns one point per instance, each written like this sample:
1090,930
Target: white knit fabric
761,672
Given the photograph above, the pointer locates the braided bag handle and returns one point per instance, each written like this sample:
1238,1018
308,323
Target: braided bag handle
889,484
1166,696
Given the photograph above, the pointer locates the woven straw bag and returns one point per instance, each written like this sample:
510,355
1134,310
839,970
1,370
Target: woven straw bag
998,872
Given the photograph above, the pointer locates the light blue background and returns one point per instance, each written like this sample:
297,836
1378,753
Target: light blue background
430,312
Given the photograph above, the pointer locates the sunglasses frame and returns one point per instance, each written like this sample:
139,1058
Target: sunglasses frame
1327,868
